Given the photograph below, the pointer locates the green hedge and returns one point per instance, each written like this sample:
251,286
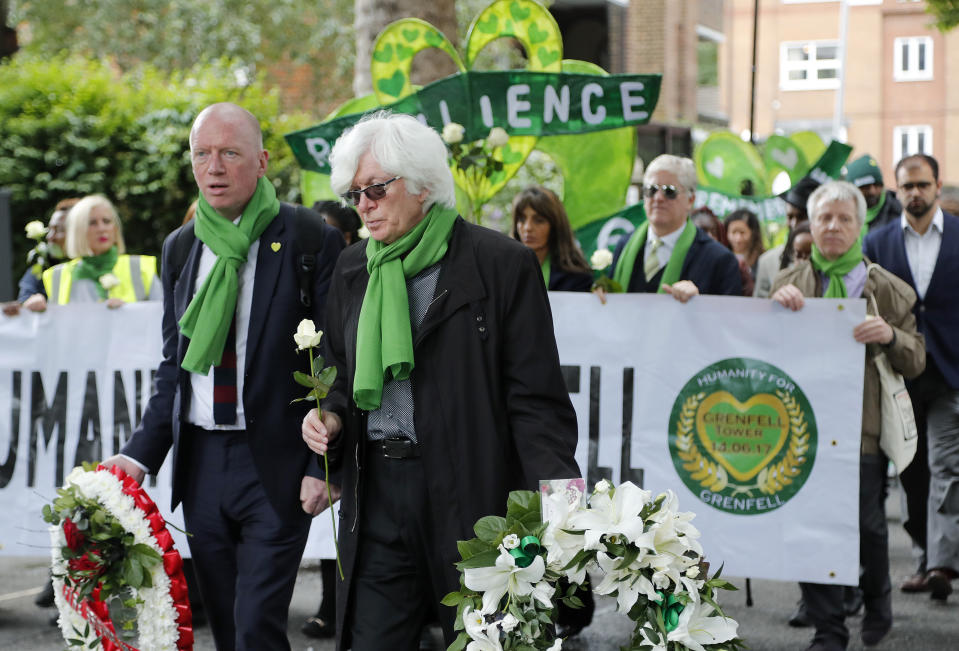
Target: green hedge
71,127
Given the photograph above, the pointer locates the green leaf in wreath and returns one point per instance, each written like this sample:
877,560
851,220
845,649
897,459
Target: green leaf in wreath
483,559
393,85
452,599
384,54
460,642
470,548
490,529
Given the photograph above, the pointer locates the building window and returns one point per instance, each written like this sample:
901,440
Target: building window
912,139
912,58
812,65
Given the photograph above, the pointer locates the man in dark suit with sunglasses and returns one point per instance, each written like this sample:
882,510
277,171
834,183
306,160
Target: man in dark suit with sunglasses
669,254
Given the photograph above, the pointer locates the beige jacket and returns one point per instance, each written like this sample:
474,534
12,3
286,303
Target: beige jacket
907,353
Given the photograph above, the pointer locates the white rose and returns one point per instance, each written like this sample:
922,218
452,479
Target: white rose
35,230
364,233
306,335
511,541
602,486
453,133
108,281
509,623
497,137
601,259
693,572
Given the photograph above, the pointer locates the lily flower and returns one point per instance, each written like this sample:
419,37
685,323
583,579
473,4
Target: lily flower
505,576
485,637
615,512
697,626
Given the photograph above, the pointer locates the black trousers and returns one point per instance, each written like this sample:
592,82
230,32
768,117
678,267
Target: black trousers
397,583
824,603
245,555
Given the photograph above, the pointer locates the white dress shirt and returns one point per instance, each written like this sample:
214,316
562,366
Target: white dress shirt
922,251
666,248
201,403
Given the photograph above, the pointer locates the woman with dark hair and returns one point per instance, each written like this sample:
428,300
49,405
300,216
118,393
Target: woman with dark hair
798,246
343,218
745,237
540,222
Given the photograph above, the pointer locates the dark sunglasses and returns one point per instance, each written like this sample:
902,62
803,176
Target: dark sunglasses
669,191
373,192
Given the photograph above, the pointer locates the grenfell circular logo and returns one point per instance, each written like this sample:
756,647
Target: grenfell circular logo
742,436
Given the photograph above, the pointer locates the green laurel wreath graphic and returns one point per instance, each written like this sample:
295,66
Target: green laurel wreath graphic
713,476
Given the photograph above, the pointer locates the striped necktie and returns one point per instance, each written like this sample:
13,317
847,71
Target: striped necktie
224,382
652,265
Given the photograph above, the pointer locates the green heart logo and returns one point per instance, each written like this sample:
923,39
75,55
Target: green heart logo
433,39
517,12
536,35
787,159
716,167
402,52
489,25
742,437
546,57
392,85
383,54
411,35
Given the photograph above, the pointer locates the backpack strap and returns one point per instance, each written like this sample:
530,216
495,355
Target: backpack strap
310,231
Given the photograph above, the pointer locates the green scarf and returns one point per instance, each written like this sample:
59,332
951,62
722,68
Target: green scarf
872,213
93,267
836,269
384,336
634,250
546,268
207,319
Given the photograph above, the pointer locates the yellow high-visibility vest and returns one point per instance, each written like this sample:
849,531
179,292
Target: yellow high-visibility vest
135,273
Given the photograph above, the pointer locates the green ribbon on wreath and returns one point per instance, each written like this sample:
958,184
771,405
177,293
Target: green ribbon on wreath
528,549
672,607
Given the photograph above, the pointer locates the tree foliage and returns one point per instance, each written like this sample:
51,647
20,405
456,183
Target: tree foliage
74,126
945,12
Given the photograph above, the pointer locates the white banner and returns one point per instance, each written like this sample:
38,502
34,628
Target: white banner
750,413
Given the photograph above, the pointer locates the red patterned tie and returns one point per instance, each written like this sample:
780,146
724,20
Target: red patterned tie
224,382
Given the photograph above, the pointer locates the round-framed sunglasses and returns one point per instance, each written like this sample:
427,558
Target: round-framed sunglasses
669,191
373,192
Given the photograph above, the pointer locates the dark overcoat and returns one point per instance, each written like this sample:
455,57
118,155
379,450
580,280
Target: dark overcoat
492,412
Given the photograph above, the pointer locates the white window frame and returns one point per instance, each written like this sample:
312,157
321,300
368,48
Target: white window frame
811,66
911,131
910,72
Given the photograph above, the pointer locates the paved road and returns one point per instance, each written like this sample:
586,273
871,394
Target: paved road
920,625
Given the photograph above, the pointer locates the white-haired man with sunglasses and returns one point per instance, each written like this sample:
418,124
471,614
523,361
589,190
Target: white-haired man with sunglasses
449,392
668,253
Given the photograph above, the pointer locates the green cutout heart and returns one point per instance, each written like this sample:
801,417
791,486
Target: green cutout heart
384,54
392,85
742,437
546,57
518,12
489,25
403,53
411,34
433,39
536,35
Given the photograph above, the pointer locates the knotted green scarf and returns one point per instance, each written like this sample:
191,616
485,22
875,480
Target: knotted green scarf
207,319
546,268
634,249
93,267
836,269
384,337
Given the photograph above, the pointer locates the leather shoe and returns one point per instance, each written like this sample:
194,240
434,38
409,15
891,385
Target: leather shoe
872,636
317,627
940,584
915,583
800,618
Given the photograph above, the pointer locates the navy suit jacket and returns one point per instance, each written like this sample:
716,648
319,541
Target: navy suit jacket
937,313
709,265
273,424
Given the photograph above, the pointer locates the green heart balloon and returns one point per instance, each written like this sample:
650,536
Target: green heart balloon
725,162
781,154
